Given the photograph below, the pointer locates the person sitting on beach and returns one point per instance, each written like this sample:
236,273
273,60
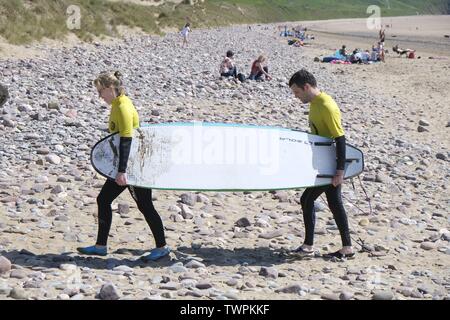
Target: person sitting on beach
374,54
343,51
355,57
227,67
365,56
258,69
338,55
401,51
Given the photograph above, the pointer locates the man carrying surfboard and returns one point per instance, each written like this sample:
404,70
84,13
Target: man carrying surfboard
123,119
324,120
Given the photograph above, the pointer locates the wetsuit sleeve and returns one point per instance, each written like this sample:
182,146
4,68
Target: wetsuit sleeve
331,116
124,153
340,153
125,120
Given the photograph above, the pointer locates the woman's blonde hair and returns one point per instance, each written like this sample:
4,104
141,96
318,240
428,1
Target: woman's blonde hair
262,58
110,80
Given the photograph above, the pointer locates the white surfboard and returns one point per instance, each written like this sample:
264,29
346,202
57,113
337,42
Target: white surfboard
224,157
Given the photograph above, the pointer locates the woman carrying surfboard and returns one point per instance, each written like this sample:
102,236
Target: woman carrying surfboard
123,119
324,120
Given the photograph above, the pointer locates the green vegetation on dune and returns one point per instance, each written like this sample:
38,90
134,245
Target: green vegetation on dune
22,21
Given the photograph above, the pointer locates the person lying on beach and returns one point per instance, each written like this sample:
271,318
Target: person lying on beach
401,51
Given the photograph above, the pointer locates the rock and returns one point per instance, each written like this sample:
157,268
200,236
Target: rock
422,129
123,208
424,123
175,217
17,274
282,196
178,268
232,282
262,223
78,296
9,123
174,208
57,189
186,213
123,268
268,272
271,234
189,198
202,198
203,285
4,289
441,156
243,222
170,286
53,159
109,292
194,264
364,222
382,178
329,296
345,295
382,295
53,106
18,294
428,245
5,265
319,206
295,288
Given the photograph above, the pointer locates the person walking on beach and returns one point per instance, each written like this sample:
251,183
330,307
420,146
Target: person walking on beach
185,33
123,119
382,35
325,121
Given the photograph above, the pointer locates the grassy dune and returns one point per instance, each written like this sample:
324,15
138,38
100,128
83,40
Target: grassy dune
22,21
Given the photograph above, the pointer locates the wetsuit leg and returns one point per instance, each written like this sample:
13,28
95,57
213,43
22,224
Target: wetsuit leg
309,213
334,198
110,191
143,198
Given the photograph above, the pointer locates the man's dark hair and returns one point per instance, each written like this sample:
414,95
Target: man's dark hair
230,53
302,77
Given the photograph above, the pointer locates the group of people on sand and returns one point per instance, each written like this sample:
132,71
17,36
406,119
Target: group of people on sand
259,68
324,119
342,56
377,53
